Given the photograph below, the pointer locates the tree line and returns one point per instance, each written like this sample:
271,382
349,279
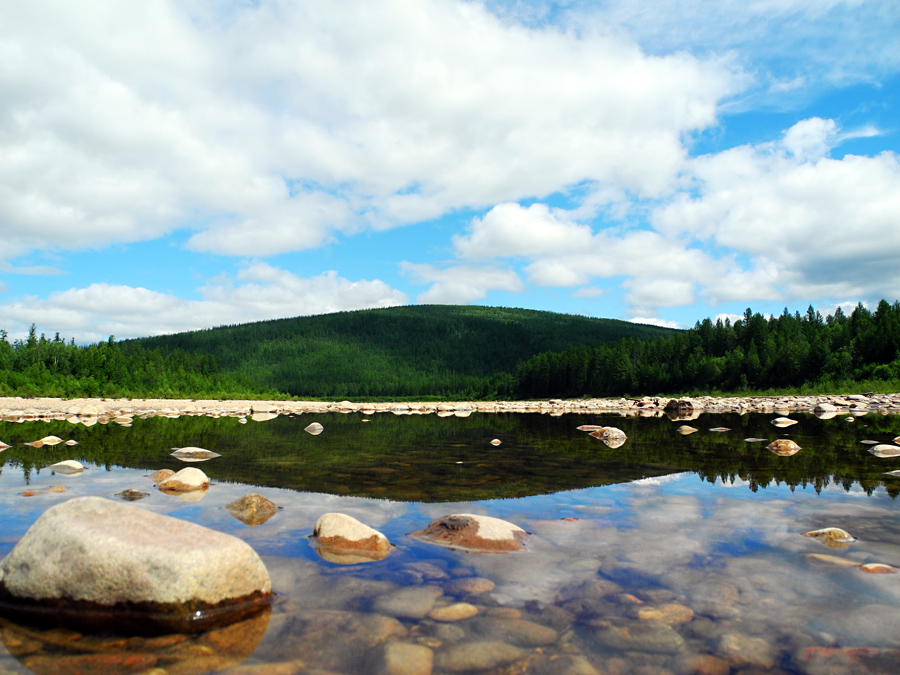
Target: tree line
41,366
445,352
755,353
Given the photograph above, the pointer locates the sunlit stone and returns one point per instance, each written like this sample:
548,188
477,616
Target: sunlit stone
783,422
496,441
343,539
481,534
684,430
193,454
186,480
884,450
315,429
783,447
68,467
831,536
263,416
252,509
878,568
611,436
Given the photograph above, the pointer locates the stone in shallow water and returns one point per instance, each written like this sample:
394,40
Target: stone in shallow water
159,476
654,637
479,534
412,602
192,454
611,436
342,539
783,422
878,568
478,656
315,429
831,536
468,586
884,450
684,430
68,467
252,509
403,658
131,495
186,480
95,563
783,447
455,612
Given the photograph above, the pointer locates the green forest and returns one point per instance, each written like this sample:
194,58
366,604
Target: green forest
468,352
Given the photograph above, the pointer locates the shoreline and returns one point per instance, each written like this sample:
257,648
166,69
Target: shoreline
16,409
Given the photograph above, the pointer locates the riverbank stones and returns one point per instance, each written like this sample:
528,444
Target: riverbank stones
477,534
186,480
92,563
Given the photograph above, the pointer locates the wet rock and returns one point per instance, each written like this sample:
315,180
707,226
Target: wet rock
705,664
878,568
742,650
68,467
481,534
130,566
186,480
477,656
517,631
404,658
468,586
783,447
684,430
611,436
455,612
252,509
831,536
315,429
159,476
885,451
192,454
849,661
131,495
569,664
783,422
646,636
339,535
413,602
673,613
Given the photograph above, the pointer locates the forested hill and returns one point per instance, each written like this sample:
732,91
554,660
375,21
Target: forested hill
419,350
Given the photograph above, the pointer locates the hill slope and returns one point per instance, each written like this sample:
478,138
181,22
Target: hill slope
419,350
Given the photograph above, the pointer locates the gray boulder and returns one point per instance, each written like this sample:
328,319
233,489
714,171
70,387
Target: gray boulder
93,563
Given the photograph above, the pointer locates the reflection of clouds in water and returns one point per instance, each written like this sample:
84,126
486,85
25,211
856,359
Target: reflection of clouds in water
659,480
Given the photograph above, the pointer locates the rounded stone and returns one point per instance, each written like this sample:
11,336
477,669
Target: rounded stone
252,509
469,586
338,531
186,480
783,447
455,612
96,562
478,656
480,534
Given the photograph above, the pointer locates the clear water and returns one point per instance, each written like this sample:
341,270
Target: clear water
671,554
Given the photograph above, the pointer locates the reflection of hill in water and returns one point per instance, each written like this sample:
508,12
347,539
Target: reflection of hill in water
426,458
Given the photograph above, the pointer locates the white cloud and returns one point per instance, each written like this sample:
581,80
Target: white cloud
270,128
654,321
461,284
258,292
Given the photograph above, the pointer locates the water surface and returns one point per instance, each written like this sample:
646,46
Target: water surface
669,554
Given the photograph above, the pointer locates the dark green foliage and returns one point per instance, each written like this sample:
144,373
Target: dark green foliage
789,352
424,351
41,367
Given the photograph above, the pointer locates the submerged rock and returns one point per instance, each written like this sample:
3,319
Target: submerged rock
93,563
252,509
131,495
783,447
831,536
477,656
479,534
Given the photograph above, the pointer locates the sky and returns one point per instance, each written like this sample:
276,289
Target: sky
169,166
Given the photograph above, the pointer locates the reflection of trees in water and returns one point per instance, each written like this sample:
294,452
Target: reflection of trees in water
427,458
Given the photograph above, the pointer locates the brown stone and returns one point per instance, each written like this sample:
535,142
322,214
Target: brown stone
252,509
480,534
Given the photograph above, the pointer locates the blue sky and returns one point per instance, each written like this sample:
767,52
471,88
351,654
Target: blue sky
169,166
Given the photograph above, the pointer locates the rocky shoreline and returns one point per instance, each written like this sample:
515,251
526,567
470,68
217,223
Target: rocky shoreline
24,409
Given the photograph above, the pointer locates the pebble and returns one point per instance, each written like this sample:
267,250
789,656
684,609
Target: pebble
469,586
409,603
455,612
646,636
743,650
672,614
404,658
478,656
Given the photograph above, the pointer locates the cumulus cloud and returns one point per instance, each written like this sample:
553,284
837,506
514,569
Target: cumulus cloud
256,293
271,127
461,284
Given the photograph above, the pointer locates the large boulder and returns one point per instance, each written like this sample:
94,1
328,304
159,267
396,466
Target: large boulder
92,563
479,534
